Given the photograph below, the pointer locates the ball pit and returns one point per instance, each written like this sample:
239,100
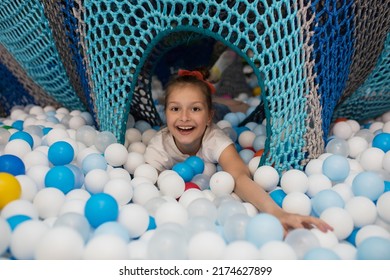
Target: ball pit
68,191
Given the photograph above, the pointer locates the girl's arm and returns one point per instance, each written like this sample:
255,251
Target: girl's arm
249,191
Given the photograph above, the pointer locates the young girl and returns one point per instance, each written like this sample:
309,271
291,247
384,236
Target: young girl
190,131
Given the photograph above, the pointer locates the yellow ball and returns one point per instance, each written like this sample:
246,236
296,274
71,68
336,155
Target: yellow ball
256,91
10,189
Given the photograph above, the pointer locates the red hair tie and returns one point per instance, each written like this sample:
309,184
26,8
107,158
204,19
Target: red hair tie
198,75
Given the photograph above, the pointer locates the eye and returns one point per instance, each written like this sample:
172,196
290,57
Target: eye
196,109
174,109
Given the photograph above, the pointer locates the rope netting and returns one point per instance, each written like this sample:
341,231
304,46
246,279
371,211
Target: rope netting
308,56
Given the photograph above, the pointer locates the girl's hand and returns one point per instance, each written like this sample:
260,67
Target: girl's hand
292,221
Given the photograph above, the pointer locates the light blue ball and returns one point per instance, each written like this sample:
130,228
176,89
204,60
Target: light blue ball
263,228
142,125
234,227
202,180
94,161
325,199
184,170
60,153
368,184
246,155
75,221
232,118
259,142
78,175
320,253
60,177
196,163
101,208
374,248
22,135
336,168
113,228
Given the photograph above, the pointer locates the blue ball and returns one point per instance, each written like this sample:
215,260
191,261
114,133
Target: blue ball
240,129
368,184
16,220
320,253
23,136
278,196
12,164
94,161
196,163
374,248
184,170
382,141
352,237
60,153
263,228
60,177
336,168
46,130
325,199
387,186
152,223
18,124
101,208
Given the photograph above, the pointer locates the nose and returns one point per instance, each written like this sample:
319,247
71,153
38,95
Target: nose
184,116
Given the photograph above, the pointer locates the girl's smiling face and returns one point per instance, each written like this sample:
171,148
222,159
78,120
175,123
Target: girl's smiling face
188,116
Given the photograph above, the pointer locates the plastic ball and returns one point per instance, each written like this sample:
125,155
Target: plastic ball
314,166
229,208
241,250
357,145
144,192
232,118
371,159
294,180
48,202
297,203
371,231
5,233
206,245
263,228
383,206
374,248
234,227
277,250
4,136
246,139
320,254
120,189
267,177
134,218
336,168
10,189
12,164
23,136
60,177
93,161
116,154
172,185
189,196
202,207
222,183
78,175
75,221
171,212
147,171
362,210
86,134
17,147
278,196
337,146
382,141
134,160
101,208
114,228
60,243
16,220
167,244
246,155
301,240
20,207
368,184
259,142
103,140
184,170
95,180
196,163
60,153
326,199
340,220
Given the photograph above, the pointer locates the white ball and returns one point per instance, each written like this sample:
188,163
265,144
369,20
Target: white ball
95,180
147,171
120,189
133,135
342,130
314,166
246,139
327,239
344,190
294,180
48,202
189,196
171,212
17,147
134,218
60,243
370,231
371,159
55,135
356,146
317,183
386,162
277,250
35,158
206,245
355,126
38,174
147,135
138,147
116,154
376,126
26,237
267,177
383,206
362,210
297,203
143,192
119,172
222,183
76,122
29,187
340,220
5,233
171,185
20,207
106,247
134,160
241,250
345,250
254,164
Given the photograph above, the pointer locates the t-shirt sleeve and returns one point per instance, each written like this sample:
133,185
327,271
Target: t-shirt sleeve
215,143
155,154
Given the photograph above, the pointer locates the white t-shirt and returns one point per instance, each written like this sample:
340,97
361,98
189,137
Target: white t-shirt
162,152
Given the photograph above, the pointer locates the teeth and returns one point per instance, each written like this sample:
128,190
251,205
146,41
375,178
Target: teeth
185,128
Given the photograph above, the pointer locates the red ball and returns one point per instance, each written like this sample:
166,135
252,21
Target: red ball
191,185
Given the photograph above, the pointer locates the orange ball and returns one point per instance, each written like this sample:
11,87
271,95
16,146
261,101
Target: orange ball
10,189
259,153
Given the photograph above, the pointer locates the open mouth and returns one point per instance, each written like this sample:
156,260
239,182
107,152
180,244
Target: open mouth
185,129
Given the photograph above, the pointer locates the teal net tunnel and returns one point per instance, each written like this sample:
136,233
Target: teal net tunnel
315,60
